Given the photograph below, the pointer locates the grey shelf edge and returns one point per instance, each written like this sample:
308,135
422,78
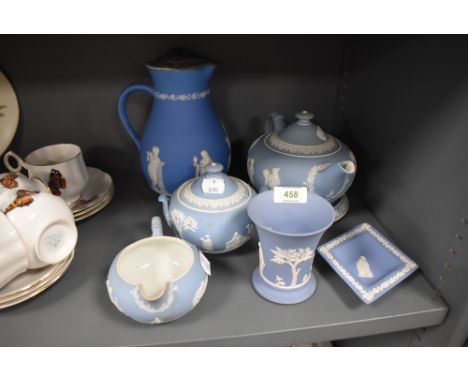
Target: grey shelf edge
77,312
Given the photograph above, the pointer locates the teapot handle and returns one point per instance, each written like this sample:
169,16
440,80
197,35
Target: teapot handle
274,123
123,108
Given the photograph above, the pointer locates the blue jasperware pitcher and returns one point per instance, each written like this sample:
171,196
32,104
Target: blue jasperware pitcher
182,134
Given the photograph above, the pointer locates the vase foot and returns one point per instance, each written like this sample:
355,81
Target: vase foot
341,207
283,296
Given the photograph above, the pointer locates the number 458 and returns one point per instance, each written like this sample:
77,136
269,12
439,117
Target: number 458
291,194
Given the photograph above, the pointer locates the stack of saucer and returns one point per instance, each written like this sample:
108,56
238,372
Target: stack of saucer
32,282
95,196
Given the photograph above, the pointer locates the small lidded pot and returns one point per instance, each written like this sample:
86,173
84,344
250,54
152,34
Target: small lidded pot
211,211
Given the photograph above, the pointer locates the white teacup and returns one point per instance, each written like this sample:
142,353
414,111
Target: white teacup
60,166
13,254
44,223
10,181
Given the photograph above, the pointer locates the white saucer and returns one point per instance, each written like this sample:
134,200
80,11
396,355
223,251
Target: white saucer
98,188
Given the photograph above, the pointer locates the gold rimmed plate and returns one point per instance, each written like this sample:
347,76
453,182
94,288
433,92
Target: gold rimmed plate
32,282
98,187
89,213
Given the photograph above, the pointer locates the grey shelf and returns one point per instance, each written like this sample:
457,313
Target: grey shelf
77,311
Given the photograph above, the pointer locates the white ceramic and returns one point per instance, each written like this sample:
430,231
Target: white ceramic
61,166
44,223
10,181
99,186
9,113
13,253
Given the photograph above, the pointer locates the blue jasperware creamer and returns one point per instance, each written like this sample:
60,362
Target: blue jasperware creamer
157,279
182,134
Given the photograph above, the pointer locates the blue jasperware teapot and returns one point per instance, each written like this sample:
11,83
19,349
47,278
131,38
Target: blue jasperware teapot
299,155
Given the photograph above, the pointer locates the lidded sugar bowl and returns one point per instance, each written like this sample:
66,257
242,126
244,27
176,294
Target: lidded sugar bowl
299,155
210,211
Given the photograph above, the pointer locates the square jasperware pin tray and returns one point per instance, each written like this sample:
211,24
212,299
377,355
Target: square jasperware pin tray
367,261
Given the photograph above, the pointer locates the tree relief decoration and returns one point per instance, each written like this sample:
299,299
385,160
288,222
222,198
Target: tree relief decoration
312,175
292,257
183,222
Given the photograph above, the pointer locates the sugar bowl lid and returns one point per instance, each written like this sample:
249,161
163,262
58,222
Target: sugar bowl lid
302,138
214,191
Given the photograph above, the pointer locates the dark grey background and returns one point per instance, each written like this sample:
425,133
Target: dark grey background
399,102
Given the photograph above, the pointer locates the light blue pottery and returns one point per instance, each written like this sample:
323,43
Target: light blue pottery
367,261
157,279
182,134
299,155
211,211
289,234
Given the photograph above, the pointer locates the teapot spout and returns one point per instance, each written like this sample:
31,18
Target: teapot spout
341,175
165,202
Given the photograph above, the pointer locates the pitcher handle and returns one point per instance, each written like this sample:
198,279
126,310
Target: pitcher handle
123,108
19,162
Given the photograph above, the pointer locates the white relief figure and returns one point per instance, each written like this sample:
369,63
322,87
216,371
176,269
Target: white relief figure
279,281
144,305
206,243
155,166
200,165
321,134
261,259
306,278
236,241
292,257
114,299
363,268
182,222
200,292
250,167
272,180
312,174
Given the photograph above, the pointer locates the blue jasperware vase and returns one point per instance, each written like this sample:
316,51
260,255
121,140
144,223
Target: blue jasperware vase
288,234
182,134
210,211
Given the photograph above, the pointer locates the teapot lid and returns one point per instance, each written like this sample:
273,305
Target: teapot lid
302,138
214,191
179,58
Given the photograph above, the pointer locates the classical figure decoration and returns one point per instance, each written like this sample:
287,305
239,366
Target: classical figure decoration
272,179
155,169
200,165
